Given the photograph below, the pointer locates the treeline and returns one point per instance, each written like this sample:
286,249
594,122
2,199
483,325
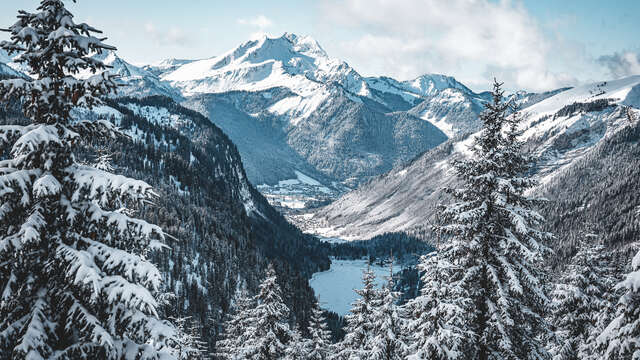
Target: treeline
400,246
588,318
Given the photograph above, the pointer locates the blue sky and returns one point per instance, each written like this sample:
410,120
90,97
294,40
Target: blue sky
534,45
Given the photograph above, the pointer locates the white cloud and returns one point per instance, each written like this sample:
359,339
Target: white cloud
260,22
621,64
472,39
169,36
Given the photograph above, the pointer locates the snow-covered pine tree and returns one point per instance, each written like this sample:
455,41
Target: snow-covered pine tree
585,289
437,314
271,333
188,343
360,322
620,340
320,336
104,161
298,347
75,281
389,334
237,329
496,242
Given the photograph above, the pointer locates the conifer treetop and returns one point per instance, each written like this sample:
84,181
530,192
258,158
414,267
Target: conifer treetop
496,241
56,50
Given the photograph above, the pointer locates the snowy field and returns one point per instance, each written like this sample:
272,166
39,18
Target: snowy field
334,287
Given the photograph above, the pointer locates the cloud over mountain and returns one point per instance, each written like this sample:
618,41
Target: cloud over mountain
483,38
621,64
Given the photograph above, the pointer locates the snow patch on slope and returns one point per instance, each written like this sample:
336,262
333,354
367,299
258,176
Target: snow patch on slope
615,89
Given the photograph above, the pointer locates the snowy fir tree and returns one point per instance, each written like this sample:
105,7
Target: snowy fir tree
360,322
584,291
75,281
188,343
319,336
437,314
297,347
496,243
388,340
237,329
270,333
621,338
104,161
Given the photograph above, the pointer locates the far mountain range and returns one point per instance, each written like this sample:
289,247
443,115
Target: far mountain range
309,128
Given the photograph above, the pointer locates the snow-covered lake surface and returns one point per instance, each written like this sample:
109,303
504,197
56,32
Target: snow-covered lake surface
334,287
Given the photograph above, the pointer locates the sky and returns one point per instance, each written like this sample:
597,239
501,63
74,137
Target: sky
534,45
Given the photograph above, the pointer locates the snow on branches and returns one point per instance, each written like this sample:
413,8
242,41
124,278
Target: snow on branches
74,277
496,243
55,49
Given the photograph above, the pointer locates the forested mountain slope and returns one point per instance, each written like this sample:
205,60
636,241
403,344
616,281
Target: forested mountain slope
223,231
585,148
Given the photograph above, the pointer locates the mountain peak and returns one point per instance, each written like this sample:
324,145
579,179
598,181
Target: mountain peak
429,84
305,44
290,60
282,49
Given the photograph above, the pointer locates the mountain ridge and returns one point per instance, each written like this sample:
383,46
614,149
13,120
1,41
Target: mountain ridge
559,131
325,111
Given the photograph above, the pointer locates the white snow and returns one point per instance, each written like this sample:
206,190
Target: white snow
307,179
295,193
464,147
160,116
440,123
615,89
293,204
107,111
297,107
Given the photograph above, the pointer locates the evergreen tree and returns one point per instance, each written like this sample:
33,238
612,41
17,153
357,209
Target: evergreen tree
496,244
578,300
270,332
237,329
188,343
619,340
360,323
103,161
437,315
388,342
320,336
74,275
298,347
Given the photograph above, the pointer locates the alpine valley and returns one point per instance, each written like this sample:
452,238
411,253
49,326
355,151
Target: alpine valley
261,152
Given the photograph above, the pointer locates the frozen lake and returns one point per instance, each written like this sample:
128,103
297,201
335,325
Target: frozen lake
334,287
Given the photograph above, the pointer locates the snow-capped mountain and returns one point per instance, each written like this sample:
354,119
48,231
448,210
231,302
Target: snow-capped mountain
136,81
565,131
290,107
8,68
298,63
166,66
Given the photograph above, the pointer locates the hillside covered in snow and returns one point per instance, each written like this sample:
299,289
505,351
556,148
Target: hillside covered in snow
582,140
